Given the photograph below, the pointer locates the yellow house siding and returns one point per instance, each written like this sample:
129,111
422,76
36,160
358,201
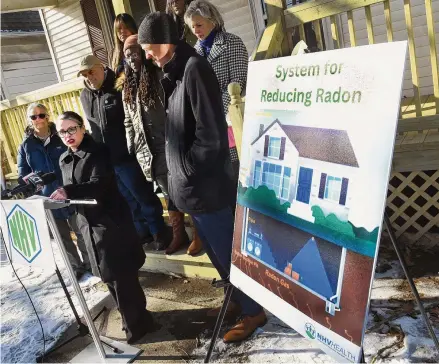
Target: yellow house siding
238,20
26,63
400,33
68,36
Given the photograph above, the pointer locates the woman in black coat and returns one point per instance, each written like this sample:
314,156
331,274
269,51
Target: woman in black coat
107,227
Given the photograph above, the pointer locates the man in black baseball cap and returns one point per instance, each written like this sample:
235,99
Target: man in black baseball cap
197,153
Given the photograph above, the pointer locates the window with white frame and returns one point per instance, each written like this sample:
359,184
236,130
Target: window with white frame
286,183
333,188
257,174
274,147
272,176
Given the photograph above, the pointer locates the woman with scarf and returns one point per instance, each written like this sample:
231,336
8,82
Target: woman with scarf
145,121
225,52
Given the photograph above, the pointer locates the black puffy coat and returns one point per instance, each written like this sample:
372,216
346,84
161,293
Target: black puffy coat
107,227
105,114
197,148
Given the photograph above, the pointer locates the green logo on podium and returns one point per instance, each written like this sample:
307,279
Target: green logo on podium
310,331
24,233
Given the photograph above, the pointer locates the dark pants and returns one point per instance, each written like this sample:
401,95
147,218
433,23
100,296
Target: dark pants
139,193
131,303
64,228
216,233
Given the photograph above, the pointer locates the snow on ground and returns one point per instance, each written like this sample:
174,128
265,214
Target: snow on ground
274,343
396,333
406,342
21,337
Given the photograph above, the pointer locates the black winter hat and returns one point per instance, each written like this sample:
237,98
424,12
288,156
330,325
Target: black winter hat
158,28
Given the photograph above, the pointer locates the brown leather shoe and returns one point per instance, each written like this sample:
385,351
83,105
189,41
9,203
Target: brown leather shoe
180,237
196,244
233,311
245,327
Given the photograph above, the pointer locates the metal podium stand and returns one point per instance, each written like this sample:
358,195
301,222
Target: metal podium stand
95,352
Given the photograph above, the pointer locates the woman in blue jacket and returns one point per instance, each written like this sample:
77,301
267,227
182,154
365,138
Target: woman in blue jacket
40,152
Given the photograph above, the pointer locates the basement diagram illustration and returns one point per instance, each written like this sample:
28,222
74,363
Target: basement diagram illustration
313,263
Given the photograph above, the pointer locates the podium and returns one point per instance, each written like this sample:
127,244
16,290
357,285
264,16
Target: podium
114,351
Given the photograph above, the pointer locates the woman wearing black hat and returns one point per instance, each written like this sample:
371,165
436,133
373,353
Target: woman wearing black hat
145,121
107,227
197,154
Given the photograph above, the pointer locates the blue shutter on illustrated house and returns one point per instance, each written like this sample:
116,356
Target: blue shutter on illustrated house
322,185
282,148
267,139
344,191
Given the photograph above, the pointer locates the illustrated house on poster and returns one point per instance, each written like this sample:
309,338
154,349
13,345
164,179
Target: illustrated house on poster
306,167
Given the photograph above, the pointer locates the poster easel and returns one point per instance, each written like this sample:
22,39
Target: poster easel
230,288
226,283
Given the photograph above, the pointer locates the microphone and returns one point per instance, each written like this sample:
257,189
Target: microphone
30,184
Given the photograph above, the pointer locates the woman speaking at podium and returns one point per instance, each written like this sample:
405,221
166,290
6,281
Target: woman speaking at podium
107,227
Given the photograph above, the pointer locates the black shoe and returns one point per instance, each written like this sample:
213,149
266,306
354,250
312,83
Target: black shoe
146,240
163,238
147,326
79,274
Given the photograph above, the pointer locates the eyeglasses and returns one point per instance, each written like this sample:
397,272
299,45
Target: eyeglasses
70,131
35,117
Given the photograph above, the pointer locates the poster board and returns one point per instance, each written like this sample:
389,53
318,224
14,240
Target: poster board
26,233
317,147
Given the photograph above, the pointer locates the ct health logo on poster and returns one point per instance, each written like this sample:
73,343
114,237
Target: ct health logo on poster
313,334
24,233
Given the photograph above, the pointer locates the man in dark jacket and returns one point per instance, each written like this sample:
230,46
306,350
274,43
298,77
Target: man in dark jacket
104,111
197,152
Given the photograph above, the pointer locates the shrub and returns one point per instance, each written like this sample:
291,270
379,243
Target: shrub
362,233
263,196
331,221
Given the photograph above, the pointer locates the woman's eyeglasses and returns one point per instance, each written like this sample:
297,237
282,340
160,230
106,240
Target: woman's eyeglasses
35,117
70,131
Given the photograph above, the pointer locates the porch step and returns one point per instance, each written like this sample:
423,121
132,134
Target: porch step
180,264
